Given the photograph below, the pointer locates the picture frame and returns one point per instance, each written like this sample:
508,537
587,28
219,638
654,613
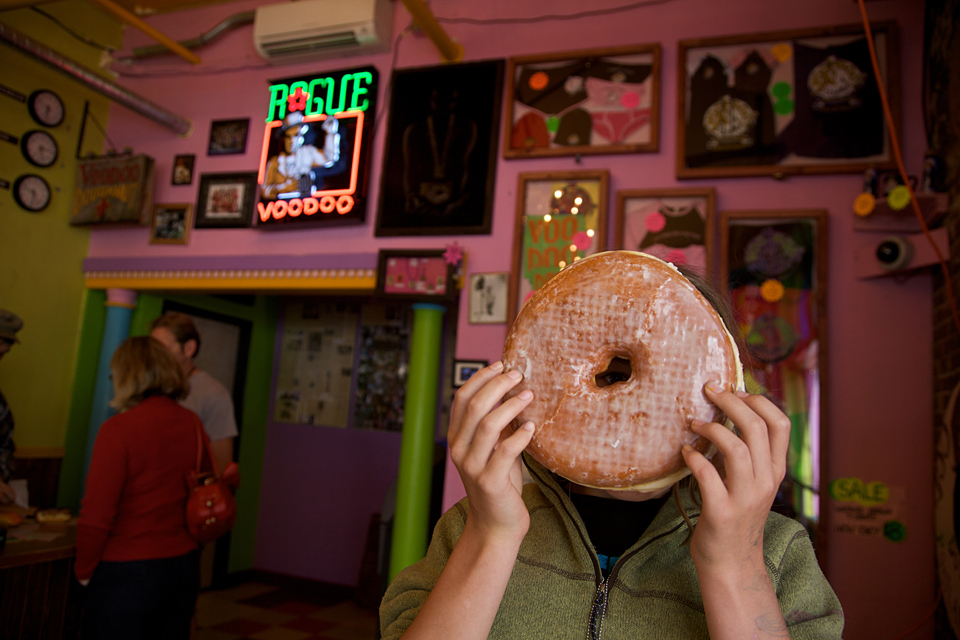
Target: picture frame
415,274
802,101
675,225
226,200
434,183
228,137
773,271
574,103
171,223
463,369
548,229
489,293
182,173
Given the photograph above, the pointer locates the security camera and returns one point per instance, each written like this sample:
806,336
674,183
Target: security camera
894,252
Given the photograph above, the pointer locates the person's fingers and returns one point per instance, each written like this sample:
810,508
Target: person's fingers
509,449
711,484
465,393
738,464
778,432
753,430
487,435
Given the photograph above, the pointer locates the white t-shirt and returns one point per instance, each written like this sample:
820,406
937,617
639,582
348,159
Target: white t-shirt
212,402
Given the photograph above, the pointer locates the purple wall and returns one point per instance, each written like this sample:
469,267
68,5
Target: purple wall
879,420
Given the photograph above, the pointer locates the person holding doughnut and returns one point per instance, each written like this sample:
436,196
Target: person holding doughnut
702,557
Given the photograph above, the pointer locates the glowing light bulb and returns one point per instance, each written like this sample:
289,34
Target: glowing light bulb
547,218
562,264
590,233
574,210
578,200
558,193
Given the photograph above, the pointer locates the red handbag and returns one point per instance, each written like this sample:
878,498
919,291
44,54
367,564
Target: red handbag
211,508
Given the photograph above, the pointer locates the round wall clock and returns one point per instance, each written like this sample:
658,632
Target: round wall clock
46,107
39,148
31,192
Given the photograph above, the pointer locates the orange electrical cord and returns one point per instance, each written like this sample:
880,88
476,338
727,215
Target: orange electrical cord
895,147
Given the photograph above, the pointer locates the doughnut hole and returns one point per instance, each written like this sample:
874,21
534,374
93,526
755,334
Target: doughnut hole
619,369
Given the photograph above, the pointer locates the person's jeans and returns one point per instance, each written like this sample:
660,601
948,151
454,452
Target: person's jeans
142,599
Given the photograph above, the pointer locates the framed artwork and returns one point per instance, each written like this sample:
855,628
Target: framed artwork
171,223
182,169
415,274
773,269
583,102
226,199
789,102
228,137
441,150
488,297
463,369
675,225
561,218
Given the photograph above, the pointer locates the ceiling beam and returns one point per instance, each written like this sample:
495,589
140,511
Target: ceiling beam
137,23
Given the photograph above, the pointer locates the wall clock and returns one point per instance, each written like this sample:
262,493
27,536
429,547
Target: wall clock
39,148
46,107
31,192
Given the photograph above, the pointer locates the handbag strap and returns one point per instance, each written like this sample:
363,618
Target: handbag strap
201,446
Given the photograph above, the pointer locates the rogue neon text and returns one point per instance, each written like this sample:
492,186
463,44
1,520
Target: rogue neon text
326,95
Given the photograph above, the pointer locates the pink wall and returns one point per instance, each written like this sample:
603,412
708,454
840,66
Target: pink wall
878,425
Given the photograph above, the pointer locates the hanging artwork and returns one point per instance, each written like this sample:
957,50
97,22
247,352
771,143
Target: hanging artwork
415,274
804,101
773,270
314,159
225,199
441,150
583,102
561,218
675,225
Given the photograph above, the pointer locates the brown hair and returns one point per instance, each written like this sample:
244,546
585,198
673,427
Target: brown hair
142,367
181,326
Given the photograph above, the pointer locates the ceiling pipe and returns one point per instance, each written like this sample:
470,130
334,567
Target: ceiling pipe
226,25
91,79
143,27
450,50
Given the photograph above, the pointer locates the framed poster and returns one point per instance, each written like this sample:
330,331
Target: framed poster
773,267
171,223
789,102
675,225
415,274
183,169
561,218
583,102
226,199
441,150
228,137
463,369
315,157
488,298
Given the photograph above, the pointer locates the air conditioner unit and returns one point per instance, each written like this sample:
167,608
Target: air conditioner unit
314,29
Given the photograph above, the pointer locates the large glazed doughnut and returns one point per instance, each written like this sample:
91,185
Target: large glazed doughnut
632,306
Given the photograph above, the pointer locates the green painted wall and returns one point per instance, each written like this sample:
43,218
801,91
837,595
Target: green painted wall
40,253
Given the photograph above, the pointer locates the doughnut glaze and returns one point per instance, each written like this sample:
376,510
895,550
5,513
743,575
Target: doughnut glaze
628,435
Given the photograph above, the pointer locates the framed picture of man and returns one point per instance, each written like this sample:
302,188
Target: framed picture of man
441,150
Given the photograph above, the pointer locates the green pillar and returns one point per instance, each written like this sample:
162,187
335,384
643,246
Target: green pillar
416,448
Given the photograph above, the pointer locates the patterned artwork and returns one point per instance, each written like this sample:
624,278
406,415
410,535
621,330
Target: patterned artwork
798,102
586,102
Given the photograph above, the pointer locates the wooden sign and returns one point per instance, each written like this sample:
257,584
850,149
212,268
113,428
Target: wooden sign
113,189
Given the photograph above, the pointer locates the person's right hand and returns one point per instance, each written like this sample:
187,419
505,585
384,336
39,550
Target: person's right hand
487,454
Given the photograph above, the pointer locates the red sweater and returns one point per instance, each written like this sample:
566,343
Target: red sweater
133,506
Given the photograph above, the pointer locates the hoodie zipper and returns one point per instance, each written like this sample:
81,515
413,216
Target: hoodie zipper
598,611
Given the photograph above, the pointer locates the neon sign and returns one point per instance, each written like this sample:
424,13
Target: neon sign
314,161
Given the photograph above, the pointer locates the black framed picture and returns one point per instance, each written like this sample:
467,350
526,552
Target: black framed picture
228,137
415,274
463,369
226,199
183,169
171,223
441,150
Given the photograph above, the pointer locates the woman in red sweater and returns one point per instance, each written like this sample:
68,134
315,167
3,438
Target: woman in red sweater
134,554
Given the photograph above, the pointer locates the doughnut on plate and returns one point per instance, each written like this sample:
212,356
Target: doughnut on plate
635,307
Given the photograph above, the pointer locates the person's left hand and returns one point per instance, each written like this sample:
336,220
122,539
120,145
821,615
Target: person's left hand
737,501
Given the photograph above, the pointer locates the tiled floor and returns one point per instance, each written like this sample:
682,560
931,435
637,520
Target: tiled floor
267,607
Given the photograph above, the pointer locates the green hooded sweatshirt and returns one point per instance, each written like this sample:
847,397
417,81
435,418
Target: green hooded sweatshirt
557,590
